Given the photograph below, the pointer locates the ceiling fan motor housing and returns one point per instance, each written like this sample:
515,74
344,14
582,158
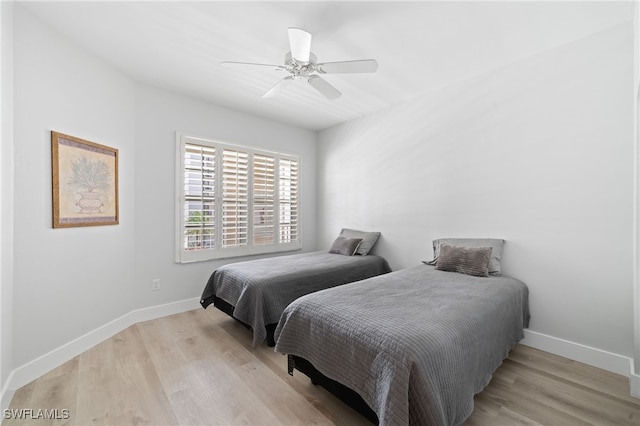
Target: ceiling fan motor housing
300,70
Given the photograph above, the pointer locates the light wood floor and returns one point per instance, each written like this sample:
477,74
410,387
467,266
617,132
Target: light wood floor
198,368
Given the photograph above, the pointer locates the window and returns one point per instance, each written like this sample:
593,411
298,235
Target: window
234,201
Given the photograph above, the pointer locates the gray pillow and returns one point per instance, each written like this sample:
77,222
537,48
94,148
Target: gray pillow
496,253
346,246
465,260
368,239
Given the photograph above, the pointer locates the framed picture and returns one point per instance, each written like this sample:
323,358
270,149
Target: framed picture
84,181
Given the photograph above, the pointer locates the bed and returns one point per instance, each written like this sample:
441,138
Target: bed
410,347
256,292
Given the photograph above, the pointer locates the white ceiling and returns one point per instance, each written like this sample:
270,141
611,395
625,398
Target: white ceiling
420,46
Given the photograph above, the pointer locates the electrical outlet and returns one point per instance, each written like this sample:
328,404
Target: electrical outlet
155,284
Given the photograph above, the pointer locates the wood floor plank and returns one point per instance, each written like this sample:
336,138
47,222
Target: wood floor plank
198,368
325,402
209,352
98,388
51,398
191,396
530,403
573,371
580,401
21,399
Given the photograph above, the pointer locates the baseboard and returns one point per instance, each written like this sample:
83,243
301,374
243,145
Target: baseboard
634,382
586,354
47,362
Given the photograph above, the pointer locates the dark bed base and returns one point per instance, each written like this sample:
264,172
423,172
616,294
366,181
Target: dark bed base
228,309
345,394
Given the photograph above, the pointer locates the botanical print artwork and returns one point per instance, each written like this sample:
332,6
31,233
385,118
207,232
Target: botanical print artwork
90,179
86,183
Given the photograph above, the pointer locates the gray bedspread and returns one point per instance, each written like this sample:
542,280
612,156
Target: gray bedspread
416,344
261,289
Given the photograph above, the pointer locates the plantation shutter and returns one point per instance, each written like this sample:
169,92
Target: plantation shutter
264,199
199,197
235,198
288,201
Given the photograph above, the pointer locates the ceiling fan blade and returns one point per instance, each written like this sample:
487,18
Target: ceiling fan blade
278,87
300,43
363,65
324,87
233,64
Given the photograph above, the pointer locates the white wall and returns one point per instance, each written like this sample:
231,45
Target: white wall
73,281
6,191
635,378
67,281
159,114
539,153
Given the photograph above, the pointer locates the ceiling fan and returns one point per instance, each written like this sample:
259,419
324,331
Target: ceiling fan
302,64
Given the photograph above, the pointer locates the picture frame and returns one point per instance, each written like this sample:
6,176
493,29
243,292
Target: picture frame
84,182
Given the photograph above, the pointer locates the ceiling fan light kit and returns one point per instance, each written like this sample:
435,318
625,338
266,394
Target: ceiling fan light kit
302,64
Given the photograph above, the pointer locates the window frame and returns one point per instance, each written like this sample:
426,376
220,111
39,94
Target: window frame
183,255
